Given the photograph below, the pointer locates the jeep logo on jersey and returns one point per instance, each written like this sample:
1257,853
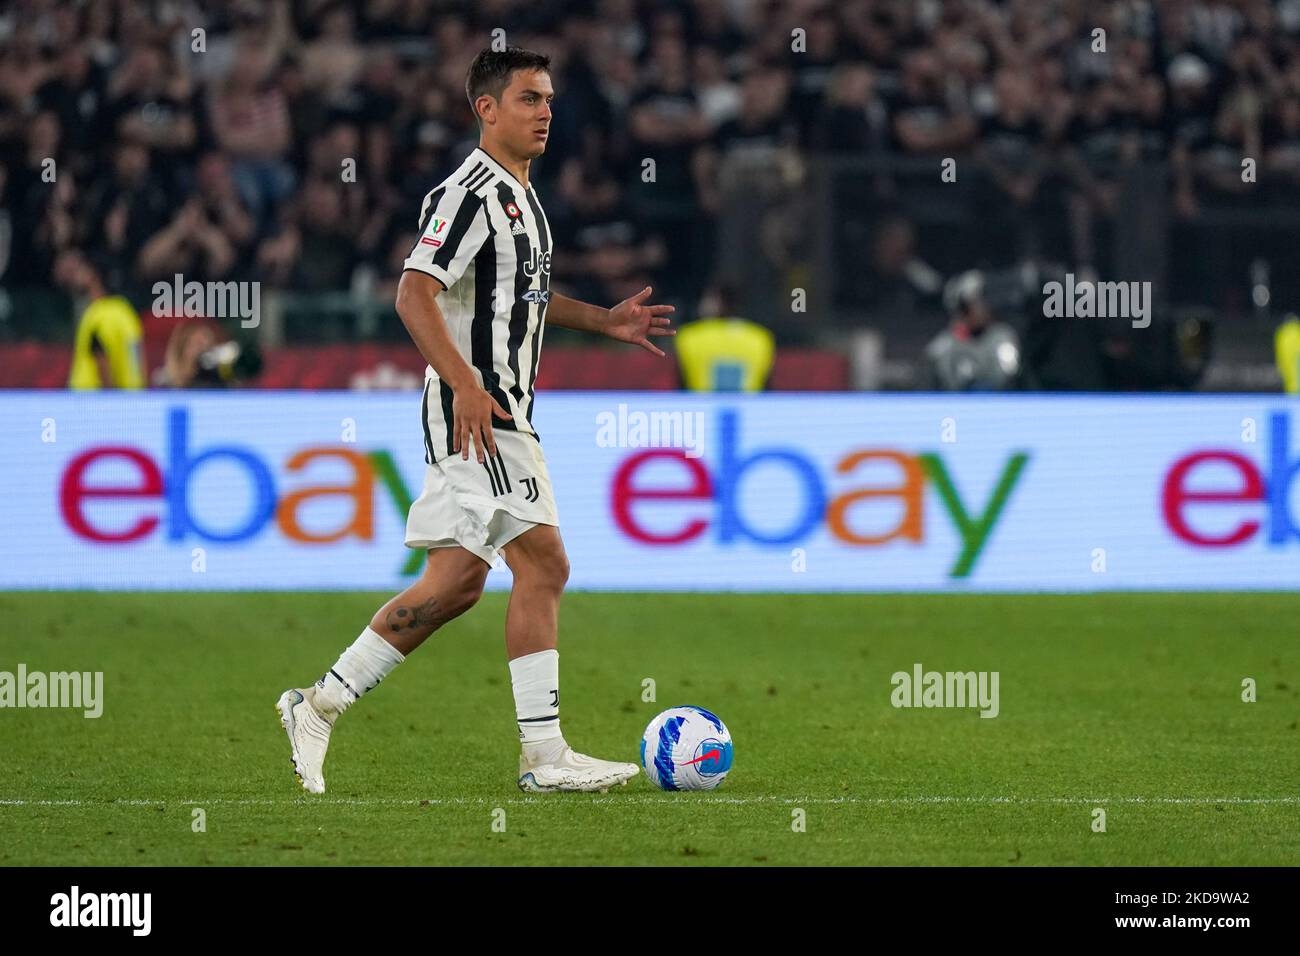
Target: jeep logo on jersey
512,210
531,266
540,296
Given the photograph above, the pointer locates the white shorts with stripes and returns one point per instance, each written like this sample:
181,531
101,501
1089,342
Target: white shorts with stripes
481,507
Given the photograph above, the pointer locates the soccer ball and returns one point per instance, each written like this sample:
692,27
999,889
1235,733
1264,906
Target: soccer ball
686,748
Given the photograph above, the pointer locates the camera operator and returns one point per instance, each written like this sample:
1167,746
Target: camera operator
976,353
199,356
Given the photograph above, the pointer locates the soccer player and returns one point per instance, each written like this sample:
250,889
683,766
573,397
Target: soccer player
474,296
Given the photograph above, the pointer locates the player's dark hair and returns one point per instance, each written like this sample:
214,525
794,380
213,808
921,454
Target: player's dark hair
491,71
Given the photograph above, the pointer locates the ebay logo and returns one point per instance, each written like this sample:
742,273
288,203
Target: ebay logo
711,500
162,490
1250,486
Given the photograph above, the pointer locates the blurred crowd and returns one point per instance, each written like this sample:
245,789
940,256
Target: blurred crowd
215,139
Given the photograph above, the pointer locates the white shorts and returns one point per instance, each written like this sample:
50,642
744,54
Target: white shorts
481,507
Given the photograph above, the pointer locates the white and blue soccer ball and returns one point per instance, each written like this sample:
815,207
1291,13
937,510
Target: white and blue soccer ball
686,748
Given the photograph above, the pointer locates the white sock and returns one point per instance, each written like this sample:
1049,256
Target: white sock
536,682
363,665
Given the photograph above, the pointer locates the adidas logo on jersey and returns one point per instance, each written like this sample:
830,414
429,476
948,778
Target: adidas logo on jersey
517,228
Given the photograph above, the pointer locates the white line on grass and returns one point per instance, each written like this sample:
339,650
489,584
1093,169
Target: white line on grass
661,800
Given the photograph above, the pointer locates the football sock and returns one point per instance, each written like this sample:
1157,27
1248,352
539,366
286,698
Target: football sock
536,682
363,665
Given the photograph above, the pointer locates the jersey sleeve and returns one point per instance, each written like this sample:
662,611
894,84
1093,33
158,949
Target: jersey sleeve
453,228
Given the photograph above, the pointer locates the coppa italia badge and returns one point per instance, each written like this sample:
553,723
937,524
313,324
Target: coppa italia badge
512,210
436,227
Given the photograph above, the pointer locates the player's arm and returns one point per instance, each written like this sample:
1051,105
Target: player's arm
571,314
472,407
629,321
452,233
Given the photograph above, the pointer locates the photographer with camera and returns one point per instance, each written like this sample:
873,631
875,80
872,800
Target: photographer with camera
199,355
976,353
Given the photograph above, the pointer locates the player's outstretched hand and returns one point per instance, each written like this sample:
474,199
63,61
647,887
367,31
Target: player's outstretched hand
632,321
472,410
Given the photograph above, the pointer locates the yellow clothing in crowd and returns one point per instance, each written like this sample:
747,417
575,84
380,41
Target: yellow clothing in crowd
725,355
114,324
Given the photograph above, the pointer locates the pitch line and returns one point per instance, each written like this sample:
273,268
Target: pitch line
681,799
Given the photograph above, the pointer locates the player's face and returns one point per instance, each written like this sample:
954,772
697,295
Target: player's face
524,113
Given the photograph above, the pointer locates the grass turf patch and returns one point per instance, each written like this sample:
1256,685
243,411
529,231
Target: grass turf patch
1126,702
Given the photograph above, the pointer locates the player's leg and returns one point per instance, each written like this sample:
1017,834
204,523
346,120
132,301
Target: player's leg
451,584
541,568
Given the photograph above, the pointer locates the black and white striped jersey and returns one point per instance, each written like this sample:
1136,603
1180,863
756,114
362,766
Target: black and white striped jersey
485,238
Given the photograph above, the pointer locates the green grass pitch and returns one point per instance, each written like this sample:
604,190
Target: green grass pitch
1130,703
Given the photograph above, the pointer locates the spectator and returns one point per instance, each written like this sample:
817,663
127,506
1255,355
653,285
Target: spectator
763,122
37,210
1281,139
895,279
607,248
924,120
250,118
228,163
976,353
666,126
107,350
332,63
314,252
149,102
124,210
77,93
222,206
853,118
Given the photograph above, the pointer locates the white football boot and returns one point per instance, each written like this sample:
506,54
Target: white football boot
573,771
309,735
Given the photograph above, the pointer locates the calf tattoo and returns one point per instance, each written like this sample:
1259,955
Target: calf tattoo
427,614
